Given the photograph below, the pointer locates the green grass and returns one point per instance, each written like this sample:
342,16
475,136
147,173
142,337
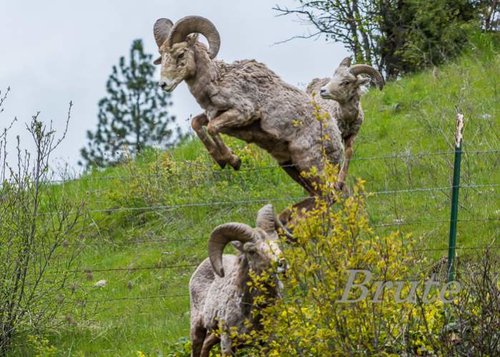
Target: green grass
148,309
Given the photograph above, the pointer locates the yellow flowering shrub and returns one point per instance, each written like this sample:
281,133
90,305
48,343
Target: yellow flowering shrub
319,316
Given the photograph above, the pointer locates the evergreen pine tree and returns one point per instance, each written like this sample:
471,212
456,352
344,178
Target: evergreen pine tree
133,115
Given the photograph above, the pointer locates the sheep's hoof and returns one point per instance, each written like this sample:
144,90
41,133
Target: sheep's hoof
343,189
340,186
235,162
221,163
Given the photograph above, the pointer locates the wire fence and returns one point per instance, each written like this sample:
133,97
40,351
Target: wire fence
212,168
476,187
132,298
271,199
201,238
181,265
86,300
189,267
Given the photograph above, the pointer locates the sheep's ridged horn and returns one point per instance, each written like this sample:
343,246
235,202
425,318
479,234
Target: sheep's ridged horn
196,24
161,30
224,234
369,70
346,62
266,219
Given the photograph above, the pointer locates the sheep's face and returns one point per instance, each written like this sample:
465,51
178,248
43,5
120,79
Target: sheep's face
177,63
343,85
264,254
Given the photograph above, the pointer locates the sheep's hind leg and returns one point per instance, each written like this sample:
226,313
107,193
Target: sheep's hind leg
198,334
210,341
230,119
228,155
225,344
197,123
294,173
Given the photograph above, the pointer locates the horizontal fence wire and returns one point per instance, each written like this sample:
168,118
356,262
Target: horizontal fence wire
189,267
482,248
203,237
403,223
85,300
271,199
130,269
210,167
131,298
168,296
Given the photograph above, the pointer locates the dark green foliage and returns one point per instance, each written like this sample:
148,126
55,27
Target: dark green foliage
489,14
398,36
134,114
352,22
417,34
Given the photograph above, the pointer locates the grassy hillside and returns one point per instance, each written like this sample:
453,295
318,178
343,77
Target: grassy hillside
148,220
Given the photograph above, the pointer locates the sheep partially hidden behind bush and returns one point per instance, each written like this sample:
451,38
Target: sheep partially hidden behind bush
221,299
246,100
346,89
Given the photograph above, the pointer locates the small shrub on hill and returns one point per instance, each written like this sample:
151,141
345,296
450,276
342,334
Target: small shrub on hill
349,291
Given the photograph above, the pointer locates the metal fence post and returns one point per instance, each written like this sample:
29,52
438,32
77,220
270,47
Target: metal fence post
454,197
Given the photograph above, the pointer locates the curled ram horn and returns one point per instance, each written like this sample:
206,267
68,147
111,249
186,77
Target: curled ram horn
196,24
369,70
224,234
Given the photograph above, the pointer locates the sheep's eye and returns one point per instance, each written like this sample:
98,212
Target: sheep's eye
181,56
344,83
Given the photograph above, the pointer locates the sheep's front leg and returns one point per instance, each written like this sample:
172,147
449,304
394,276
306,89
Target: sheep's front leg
348,144
230,119
225,344
198,123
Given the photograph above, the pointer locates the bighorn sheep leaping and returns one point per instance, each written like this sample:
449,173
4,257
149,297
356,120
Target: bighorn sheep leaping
246,100
345,88
221,299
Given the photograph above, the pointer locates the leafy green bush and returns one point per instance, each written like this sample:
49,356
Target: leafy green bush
401,310
37,222
334,239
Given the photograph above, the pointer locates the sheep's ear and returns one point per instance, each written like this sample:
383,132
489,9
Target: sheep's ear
192,39
346,62
157,61
238,245
363,81
249,247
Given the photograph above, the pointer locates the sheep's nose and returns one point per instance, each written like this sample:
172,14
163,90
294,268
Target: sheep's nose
163,85
322,91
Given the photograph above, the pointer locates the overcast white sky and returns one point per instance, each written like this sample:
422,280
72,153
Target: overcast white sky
55,51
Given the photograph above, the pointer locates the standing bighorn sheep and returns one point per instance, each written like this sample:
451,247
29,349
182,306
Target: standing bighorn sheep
345,88
246,100
221,298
